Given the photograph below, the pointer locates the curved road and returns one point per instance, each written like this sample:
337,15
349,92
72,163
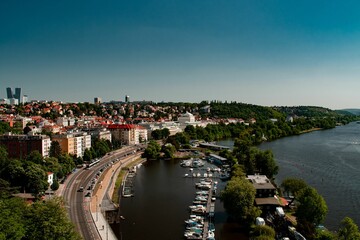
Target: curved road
77,204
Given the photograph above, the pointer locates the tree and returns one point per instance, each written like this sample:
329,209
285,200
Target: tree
263,232
168,150
238,198
311,210
152,151
55,149
36,178
35,157
48,220
87,155
324,235
12,224
67,163
265,163
293,186
55,185
348,230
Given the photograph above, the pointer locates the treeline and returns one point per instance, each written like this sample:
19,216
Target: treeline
30,174
42,220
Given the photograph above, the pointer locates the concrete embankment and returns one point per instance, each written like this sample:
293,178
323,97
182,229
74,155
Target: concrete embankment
101,198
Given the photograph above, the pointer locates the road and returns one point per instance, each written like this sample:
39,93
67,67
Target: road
78,205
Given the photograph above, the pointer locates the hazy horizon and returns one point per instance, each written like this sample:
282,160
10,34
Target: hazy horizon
269,53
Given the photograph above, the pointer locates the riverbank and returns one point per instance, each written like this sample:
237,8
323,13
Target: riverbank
116,193
310,130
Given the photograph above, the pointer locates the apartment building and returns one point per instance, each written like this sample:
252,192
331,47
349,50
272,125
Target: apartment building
73,143
20,145
128,134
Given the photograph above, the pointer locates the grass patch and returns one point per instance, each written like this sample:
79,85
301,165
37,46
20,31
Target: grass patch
117,193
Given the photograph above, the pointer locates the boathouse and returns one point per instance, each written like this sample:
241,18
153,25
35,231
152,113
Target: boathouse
217,160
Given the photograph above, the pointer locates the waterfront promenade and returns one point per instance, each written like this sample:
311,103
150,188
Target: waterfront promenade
87,209
101,198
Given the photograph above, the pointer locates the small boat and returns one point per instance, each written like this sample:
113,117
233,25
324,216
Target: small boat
186,175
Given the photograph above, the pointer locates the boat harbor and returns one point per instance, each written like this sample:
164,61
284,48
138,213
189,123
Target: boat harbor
128,184
200,224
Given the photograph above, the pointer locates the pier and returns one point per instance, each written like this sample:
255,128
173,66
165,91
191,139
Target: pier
128,185
200,224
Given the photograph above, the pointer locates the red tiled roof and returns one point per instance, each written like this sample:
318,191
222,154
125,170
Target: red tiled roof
122,126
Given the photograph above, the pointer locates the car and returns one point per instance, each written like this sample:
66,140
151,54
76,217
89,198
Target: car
81,189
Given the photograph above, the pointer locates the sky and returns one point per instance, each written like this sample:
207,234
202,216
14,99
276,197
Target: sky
263,52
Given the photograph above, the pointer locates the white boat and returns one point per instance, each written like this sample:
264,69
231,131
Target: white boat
186,175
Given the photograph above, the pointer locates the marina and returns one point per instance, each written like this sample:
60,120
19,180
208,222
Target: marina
159,180
200,224
128,184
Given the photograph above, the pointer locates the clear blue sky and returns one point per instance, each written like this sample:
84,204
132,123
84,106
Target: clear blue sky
263,52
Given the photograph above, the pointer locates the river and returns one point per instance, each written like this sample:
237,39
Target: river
328,160
162,196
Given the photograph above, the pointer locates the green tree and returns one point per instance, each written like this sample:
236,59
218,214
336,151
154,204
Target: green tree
55,149
48,220
51,164
324,235
263,232
55,185
238,198
4,160
4,127
67,163
168,150
311,210
152,151
348,230
12,224
35,157
36,178
293,186
265,163
87,155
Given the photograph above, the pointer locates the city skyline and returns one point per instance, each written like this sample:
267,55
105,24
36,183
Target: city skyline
269,53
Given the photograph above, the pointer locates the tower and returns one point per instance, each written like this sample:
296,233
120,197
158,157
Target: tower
17,95
9,93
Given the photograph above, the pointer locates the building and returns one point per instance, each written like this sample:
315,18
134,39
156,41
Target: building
50,178
64,121
20,146
127,99
217,160
128,134
9,93
97,100
265,192
66,142
186,118
73,143
98,133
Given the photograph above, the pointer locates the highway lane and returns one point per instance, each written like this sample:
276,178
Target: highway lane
77,204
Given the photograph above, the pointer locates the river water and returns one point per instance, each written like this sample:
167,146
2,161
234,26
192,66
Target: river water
160,204
328,160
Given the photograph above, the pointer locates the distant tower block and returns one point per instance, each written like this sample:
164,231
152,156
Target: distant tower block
97,100
127,99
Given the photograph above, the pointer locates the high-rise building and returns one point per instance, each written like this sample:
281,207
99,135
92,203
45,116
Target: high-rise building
9,93
17,95
25,99
127,99
97,100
